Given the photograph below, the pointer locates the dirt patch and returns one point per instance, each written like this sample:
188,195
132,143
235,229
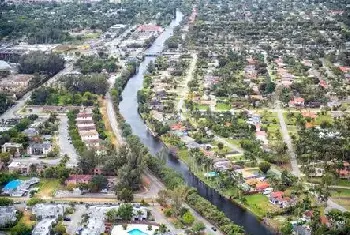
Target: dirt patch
109,131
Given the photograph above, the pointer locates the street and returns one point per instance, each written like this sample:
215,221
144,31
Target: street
288,141
184,91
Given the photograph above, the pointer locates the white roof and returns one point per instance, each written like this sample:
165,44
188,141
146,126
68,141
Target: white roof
4,65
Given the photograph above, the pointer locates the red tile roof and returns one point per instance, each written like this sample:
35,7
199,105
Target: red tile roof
277,194
262,185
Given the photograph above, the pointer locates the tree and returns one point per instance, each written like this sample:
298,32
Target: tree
40,62
5,201
125,212
98,182
21,229
264,167
220,145
187,218
287,229
162,229
288,179
198,227
59,229
126,195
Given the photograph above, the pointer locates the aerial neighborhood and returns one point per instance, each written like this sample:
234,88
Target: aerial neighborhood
175,117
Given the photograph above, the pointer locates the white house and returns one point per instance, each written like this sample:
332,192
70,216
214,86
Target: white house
89,135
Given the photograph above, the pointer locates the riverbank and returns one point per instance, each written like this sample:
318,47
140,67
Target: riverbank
128,108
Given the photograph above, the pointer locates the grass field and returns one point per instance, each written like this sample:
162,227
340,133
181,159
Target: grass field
201,106
259,204
222,107
47,187
340,193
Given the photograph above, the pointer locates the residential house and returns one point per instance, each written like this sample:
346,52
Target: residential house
277,198
5,68
82,116
19,167
89,135
78,179
223,165
31,132
297,102
261,186
85,123
39,148
344,172
48,211
12,147
87,128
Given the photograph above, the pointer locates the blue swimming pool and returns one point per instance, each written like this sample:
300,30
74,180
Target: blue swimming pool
12,184
136,231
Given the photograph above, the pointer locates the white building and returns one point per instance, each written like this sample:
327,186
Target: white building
89,135
48,211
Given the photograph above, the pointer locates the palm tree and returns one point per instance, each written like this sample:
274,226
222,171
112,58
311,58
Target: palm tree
162,229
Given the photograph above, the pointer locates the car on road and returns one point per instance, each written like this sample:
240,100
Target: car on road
214,229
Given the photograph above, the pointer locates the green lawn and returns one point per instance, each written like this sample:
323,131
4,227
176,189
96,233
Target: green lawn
323,118
340,193
201,106
222,107
47,187
259,204
236,142
343,182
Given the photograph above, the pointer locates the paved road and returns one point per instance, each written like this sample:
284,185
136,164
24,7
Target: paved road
287,140
329,72
64,143
332,205
111,113
231,146
185,90
154,188
12,112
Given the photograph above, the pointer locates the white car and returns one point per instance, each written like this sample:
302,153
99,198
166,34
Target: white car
267,191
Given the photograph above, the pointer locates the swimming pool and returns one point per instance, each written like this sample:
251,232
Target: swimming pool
136,231
12,184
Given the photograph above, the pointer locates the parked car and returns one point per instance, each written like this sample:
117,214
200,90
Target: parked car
267,191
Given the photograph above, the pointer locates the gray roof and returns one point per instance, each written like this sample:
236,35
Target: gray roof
44,145
4,65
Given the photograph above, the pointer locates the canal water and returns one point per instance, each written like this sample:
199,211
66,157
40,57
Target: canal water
128,109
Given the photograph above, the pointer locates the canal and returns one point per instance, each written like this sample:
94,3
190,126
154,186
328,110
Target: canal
128,109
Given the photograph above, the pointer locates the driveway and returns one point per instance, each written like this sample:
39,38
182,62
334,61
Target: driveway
64,142
74,224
